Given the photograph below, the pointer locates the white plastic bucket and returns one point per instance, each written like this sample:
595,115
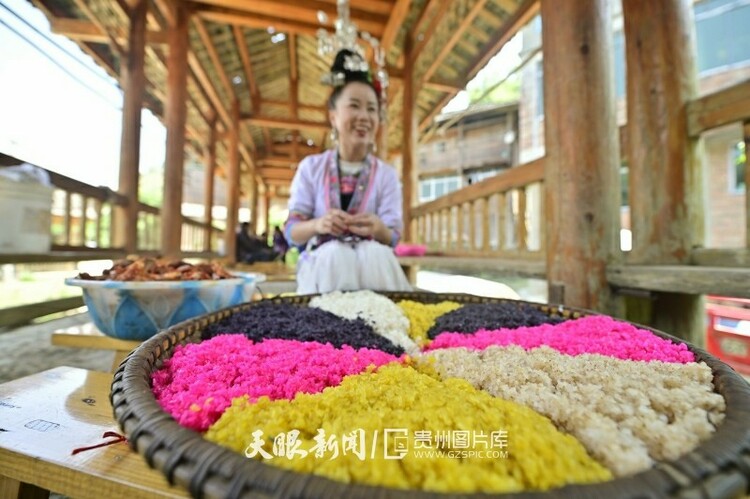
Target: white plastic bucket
25,218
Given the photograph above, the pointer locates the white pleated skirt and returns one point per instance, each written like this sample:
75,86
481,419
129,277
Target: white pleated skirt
339,266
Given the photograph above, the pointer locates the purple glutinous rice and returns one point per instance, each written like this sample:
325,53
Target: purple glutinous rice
473,317
290,322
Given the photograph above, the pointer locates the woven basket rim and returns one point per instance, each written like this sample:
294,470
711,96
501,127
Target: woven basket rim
716,466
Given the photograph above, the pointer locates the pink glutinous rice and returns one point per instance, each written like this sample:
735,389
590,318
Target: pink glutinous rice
200,380
591,334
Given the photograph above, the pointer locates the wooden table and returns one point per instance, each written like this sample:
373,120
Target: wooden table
280,278
44,417
88,336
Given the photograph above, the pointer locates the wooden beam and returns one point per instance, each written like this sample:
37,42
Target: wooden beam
300,11
525,12
279,161
208,44
277,173
721,257
287,104
234,17
205,82
89,14
291,124
285,148
509,6
86,31
247,68
729,105
424,37
167,13
277,182
395,21
447,47
443,86
382,7
682,279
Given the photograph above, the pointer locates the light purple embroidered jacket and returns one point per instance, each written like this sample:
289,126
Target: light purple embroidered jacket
315,190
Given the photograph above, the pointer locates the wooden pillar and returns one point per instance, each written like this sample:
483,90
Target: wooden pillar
133,82
175,118
666,208
252,195
267,207
582,151
409,146
254,214
233,184
746,133
208,193
382,138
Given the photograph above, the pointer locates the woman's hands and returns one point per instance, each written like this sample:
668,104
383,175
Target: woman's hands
370,225
335,222
338,222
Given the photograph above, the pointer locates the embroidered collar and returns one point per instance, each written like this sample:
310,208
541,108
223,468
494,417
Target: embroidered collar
361,190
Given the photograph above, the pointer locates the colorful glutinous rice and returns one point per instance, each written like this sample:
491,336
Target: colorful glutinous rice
622,397
422,317
386,318
598,399
290,322
200,380
591,334
472,317
541,456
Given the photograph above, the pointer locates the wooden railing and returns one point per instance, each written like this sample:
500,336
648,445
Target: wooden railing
493,224
82,221
501,218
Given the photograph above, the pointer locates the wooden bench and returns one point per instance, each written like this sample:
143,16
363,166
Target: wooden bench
520,267
44,417
88,336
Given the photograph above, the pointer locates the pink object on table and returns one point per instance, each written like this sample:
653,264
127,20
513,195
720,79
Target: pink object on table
406,249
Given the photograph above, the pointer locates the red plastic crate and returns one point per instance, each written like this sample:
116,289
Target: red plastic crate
728,331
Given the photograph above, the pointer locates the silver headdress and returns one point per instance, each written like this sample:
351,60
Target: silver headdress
346,37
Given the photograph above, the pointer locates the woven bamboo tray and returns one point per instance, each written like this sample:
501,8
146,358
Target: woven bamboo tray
718,468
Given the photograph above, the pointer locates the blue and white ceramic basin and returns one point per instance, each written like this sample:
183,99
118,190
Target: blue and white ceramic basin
136,310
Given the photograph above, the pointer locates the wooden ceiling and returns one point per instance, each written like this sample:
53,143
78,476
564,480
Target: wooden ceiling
276,80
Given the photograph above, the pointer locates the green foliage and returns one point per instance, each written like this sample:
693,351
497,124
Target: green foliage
508,91
26,276
150,186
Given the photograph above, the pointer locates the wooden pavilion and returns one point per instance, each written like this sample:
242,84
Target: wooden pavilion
249,102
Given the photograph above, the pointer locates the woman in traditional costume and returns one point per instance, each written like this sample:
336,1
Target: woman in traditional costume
345,204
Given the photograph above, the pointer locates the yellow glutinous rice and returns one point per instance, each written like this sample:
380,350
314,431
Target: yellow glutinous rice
422,317
433,427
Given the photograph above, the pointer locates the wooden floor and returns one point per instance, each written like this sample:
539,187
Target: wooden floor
29,350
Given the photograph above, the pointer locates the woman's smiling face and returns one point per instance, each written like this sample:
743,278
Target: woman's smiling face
356,116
